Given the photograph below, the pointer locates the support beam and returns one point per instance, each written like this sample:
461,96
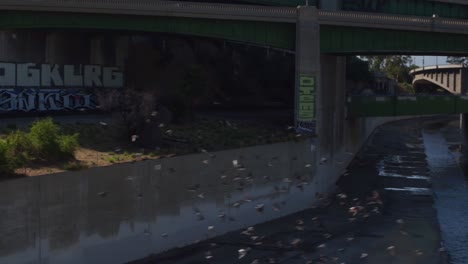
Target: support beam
307,69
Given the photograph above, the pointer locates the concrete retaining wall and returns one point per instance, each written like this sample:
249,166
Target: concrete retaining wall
123,212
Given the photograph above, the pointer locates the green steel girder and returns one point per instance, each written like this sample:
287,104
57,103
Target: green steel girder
373,106
353,40
281,35
334,39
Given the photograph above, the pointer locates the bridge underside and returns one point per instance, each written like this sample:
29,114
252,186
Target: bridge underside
373,106
333,39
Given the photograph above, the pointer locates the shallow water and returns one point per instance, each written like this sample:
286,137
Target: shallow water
451,194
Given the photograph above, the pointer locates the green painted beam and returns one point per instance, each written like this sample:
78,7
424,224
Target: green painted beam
353,40
373,106
334,39
274,34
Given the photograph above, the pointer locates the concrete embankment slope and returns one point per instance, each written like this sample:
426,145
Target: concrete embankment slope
388,186
126,212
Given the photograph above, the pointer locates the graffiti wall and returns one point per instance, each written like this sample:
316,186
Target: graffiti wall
31,87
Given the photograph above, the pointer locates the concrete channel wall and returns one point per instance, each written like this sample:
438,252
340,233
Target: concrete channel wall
125,212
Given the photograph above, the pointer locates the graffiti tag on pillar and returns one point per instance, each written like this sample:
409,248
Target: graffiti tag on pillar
28,87
306,115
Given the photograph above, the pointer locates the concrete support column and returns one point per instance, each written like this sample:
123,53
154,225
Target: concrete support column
122,44
464,127
96,53
54,49
7,40
332,104
307,70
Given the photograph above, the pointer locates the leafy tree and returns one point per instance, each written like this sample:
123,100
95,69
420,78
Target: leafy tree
396,67
357,69
457,60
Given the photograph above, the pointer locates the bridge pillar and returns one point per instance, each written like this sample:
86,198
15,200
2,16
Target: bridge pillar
122,45
331,113
97,50
307,69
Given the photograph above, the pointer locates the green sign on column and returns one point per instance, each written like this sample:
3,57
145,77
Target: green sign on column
306,116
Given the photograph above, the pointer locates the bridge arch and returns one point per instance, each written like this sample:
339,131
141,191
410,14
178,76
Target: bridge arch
452,78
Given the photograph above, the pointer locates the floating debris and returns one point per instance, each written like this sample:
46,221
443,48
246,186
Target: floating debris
210,228
342,196
296,242
364,255
243,252
103,194
260,207
157,167
208,255
134,138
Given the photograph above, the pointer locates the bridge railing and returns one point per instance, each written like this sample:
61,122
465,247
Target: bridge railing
399,22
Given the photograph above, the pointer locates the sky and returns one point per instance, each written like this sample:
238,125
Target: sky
429,60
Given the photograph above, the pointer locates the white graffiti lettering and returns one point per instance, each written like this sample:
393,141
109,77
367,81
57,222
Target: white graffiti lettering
26,100
34,75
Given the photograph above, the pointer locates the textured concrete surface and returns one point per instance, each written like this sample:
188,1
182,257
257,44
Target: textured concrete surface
391,227
125,212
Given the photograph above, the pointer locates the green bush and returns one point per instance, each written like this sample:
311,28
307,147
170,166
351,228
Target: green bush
43,142
47,142
68,144
18,148
5,167
43,136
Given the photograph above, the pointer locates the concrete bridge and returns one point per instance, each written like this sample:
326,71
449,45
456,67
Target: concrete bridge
452,78
320,40
308,31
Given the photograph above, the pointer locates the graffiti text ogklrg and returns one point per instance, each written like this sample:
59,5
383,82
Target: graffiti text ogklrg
30,87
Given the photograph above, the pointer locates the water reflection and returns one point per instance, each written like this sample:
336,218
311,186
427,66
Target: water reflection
128,211
452,195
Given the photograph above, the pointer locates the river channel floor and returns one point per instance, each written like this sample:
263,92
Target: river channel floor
382,212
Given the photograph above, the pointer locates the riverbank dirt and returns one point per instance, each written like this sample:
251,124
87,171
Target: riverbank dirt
103,140
368,220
